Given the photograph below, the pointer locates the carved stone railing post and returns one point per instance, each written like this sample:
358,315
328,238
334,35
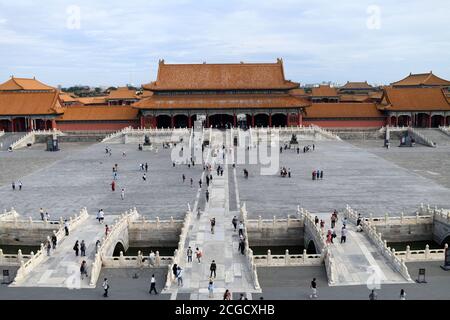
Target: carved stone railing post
286,257
427,251
386,218
172,223
269,258
274,222
259,222
305,256
158,223
157,259
401,217
408,252
288,221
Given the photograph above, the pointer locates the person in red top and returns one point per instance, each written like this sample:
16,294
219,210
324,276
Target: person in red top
113,186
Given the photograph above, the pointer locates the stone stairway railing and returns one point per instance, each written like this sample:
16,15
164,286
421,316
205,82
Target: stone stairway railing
422,255
13,259
36,259
249,252
420,138
9,215
117,134
30,137
442,215
275,222
445,129
110,240
287,259
138,261
179,252
376,238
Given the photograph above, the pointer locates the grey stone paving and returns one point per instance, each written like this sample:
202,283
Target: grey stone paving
83,178
122,287
290,283
431,163
369,183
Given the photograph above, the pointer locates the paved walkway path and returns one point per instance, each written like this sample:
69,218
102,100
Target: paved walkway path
62,267
358,261
222,246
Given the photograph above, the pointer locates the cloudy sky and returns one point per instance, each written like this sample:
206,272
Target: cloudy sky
119,42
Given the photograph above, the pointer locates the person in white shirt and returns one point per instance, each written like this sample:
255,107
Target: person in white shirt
153,285
343,234
241,228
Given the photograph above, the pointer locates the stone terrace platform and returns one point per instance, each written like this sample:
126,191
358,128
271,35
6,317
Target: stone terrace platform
81,177
351,175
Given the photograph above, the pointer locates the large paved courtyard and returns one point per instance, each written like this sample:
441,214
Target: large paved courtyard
368,181
76,177
369,178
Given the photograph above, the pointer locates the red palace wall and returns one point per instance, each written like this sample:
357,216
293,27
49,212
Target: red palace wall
345,123
95,126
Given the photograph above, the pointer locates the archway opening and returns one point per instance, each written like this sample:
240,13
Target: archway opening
422,120
311,248
436,121
261,120
393,121
279,120
403,121
181,121
221,121
119,247
446,241
163,121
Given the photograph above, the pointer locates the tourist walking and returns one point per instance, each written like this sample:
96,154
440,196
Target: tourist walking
313,289
227,295
200,183
189,254
146,167
66,227
47,216
321,174
213,268
314,175
122,194
343,234
329,237
180,276
198,254
144,177
105,286
83,248
211,288
289,172
174,269
83,269
97,246
402,294
54,241
207,196
76,248
183,177
373,295
20,185
358,221
41,212
241,228
192,181
213,224
316,220
106,230
13,185
234,222
344,221
333,220
100,216
49,246
153,285
242,245
113,186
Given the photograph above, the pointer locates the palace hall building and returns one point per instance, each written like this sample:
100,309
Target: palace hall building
221,94
27,104
227,95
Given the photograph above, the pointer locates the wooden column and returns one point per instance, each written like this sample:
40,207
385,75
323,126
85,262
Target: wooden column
12,125
142,120
189,121
253,120
53,124
429,120
172,121
287,120
300,118
234,119
270,120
